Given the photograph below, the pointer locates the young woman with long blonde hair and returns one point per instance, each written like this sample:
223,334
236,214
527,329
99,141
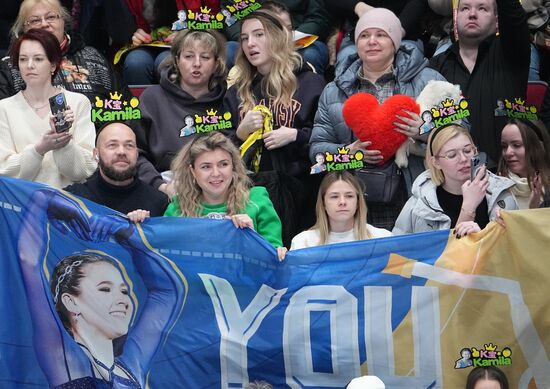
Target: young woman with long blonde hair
341,214
271,73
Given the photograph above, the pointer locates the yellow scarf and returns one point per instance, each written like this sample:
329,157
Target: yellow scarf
257,136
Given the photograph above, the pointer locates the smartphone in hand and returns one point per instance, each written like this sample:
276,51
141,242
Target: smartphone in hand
58,107
478,161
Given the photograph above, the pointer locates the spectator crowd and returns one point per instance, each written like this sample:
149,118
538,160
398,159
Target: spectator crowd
234,120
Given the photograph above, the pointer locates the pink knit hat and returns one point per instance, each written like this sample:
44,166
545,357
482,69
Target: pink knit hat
383,19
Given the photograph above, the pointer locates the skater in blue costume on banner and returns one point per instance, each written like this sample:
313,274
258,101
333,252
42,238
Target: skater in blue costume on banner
86,305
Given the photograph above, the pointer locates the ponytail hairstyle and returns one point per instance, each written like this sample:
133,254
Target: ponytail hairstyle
66,278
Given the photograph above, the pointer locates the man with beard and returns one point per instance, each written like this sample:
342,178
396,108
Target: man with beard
115,184
488,66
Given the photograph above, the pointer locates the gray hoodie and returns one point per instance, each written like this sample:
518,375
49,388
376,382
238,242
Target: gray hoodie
161,131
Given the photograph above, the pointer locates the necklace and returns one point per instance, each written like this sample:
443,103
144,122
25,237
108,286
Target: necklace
36,109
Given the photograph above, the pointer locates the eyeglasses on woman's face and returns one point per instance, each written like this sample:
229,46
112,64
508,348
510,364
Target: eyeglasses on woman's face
453,155
36,21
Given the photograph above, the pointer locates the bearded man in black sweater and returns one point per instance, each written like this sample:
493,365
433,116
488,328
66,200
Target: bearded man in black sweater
115,183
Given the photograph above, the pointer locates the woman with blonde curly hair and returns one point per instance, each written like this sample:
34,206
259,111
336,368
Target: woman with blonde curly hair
271,73
211,181
341,214
192,84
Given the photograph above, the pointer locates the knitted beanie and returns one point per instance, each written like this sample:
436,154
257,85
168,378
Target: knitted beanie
385,20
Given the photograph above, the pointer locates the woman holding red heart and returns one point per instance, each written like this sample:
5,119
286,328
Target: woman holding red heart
445,197
383,66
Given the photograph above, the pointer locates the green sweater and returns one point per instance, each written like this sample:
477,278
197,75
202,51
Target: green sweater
259,208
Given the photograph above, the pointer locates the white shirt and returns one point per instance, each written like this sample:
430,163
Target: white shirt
21,128
310,238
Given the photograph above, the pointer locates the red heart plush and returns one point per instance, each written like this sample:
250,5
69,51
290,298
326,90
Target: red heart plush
373,122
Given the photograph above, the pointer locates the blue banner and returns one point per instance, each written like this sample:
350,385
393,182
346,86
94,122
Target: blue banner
197,303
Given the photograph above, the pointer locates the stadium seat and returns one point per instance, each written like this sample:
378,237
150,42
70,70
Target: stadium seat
535,92
137,90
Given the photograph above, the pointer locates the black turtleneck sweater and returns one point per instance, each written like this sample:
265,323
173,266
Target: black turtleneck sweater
124,199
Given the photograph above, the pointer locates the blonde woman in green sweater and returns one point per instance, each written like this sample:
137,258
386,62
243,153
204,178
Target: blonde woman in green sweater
210,181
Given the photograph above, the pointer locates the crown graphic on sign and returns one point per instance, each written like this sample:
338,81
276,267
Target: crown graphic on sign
205,10
115,96
448,103
343,150
211,112
490,347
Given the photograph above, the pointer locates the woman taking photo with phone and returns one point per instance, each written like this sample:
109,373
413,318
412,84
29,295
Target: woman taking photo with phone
525,160
341,214
30,146
445,196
